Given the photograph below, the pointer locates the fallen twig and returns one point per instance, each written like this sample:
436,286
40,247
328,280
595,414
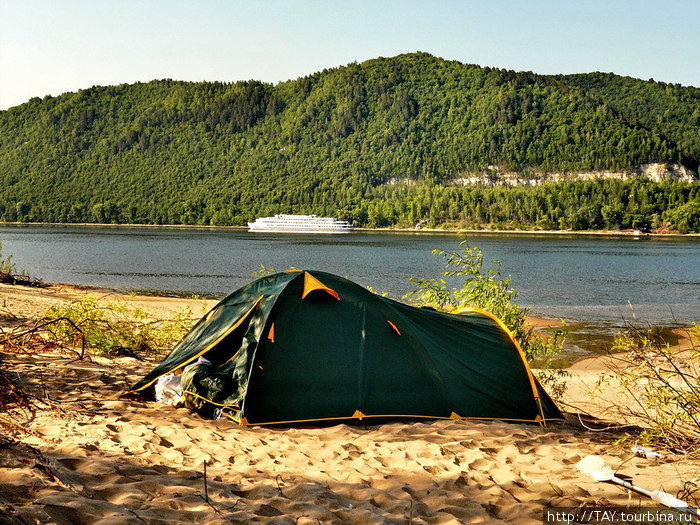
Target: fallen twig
122,473
206,490
22,280
43,324
278,478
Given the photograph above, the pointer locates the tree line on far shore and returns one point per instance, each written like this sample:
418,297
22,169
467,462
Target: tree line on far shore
576,205
379,143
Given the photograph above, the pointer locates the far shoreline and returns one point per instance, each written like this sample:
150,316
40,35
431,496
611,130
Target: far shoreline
452,231
30,302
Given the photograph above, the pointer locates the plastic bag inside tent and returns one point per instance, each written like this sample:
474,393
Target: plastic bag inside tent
168,388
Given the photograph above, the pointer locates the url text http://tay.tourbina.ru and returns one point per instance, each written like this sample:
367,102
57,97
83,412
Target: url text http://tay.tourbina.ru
618,515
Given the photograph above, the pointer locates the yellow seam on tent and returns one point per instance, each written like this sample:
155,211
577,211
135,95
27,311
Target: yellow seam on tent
402,415
211,314
209,400
232,357
232,418
503,327
206,349
293,271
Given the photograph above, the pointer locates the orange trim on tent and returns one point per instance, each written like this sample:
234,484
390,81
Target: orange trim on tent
358,414
206,348
311,284
394,327
292,270
271,333
530,376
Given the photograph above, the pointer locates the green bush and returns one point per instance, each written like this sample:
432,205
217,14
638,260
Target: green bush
663,384
485,288
113,327
7,267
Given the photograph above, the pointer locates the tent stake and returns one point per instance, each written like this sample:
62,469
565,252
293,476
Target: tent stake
206,490
205,498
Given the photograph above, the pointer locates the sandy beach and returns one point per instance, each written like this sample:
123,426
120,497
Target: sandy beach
78,453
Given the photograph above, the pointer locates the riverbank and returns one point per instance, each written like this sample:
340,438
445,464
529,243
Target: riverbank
29,303
598,284
24,303
608,233
80,454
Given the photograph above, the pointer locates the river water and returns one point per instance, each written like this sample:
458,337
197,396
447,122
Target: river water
591,281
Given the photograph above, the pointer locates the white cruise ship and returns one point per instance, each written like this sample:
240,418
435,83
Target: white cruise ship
299,224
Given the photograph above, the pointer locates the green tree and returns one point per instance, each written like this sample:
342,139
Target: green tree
484,288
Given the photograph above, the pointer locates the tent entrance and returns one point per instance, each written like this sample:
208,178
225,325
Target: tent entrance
224,350
214,386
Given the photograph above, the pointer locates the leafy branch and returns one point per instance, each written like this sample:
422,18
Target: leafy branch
663,385
484,288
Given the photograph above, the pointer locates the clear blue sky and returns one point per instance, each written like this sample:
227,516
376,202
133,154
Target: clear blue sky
50,47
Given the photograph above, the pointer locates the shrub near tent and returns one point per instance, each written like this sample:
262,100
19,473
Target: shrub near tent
311,346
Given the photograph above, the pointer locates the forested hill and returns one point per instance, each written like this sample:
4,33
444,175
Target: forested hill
222,153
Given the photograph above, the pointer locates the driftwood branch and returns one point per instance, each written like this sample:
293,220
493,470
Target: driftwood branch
43,324
22,280
206,490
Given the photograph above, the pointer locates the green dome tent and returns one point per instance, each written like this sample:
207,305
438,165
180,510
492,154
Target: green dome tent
306,346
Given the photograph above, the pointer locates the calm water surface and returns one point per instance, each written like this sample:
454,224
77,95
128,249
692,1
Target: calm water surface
584,279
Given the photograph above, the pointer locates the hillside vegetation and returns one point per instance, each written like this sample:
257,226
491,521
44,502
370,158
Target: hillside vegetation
336,142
